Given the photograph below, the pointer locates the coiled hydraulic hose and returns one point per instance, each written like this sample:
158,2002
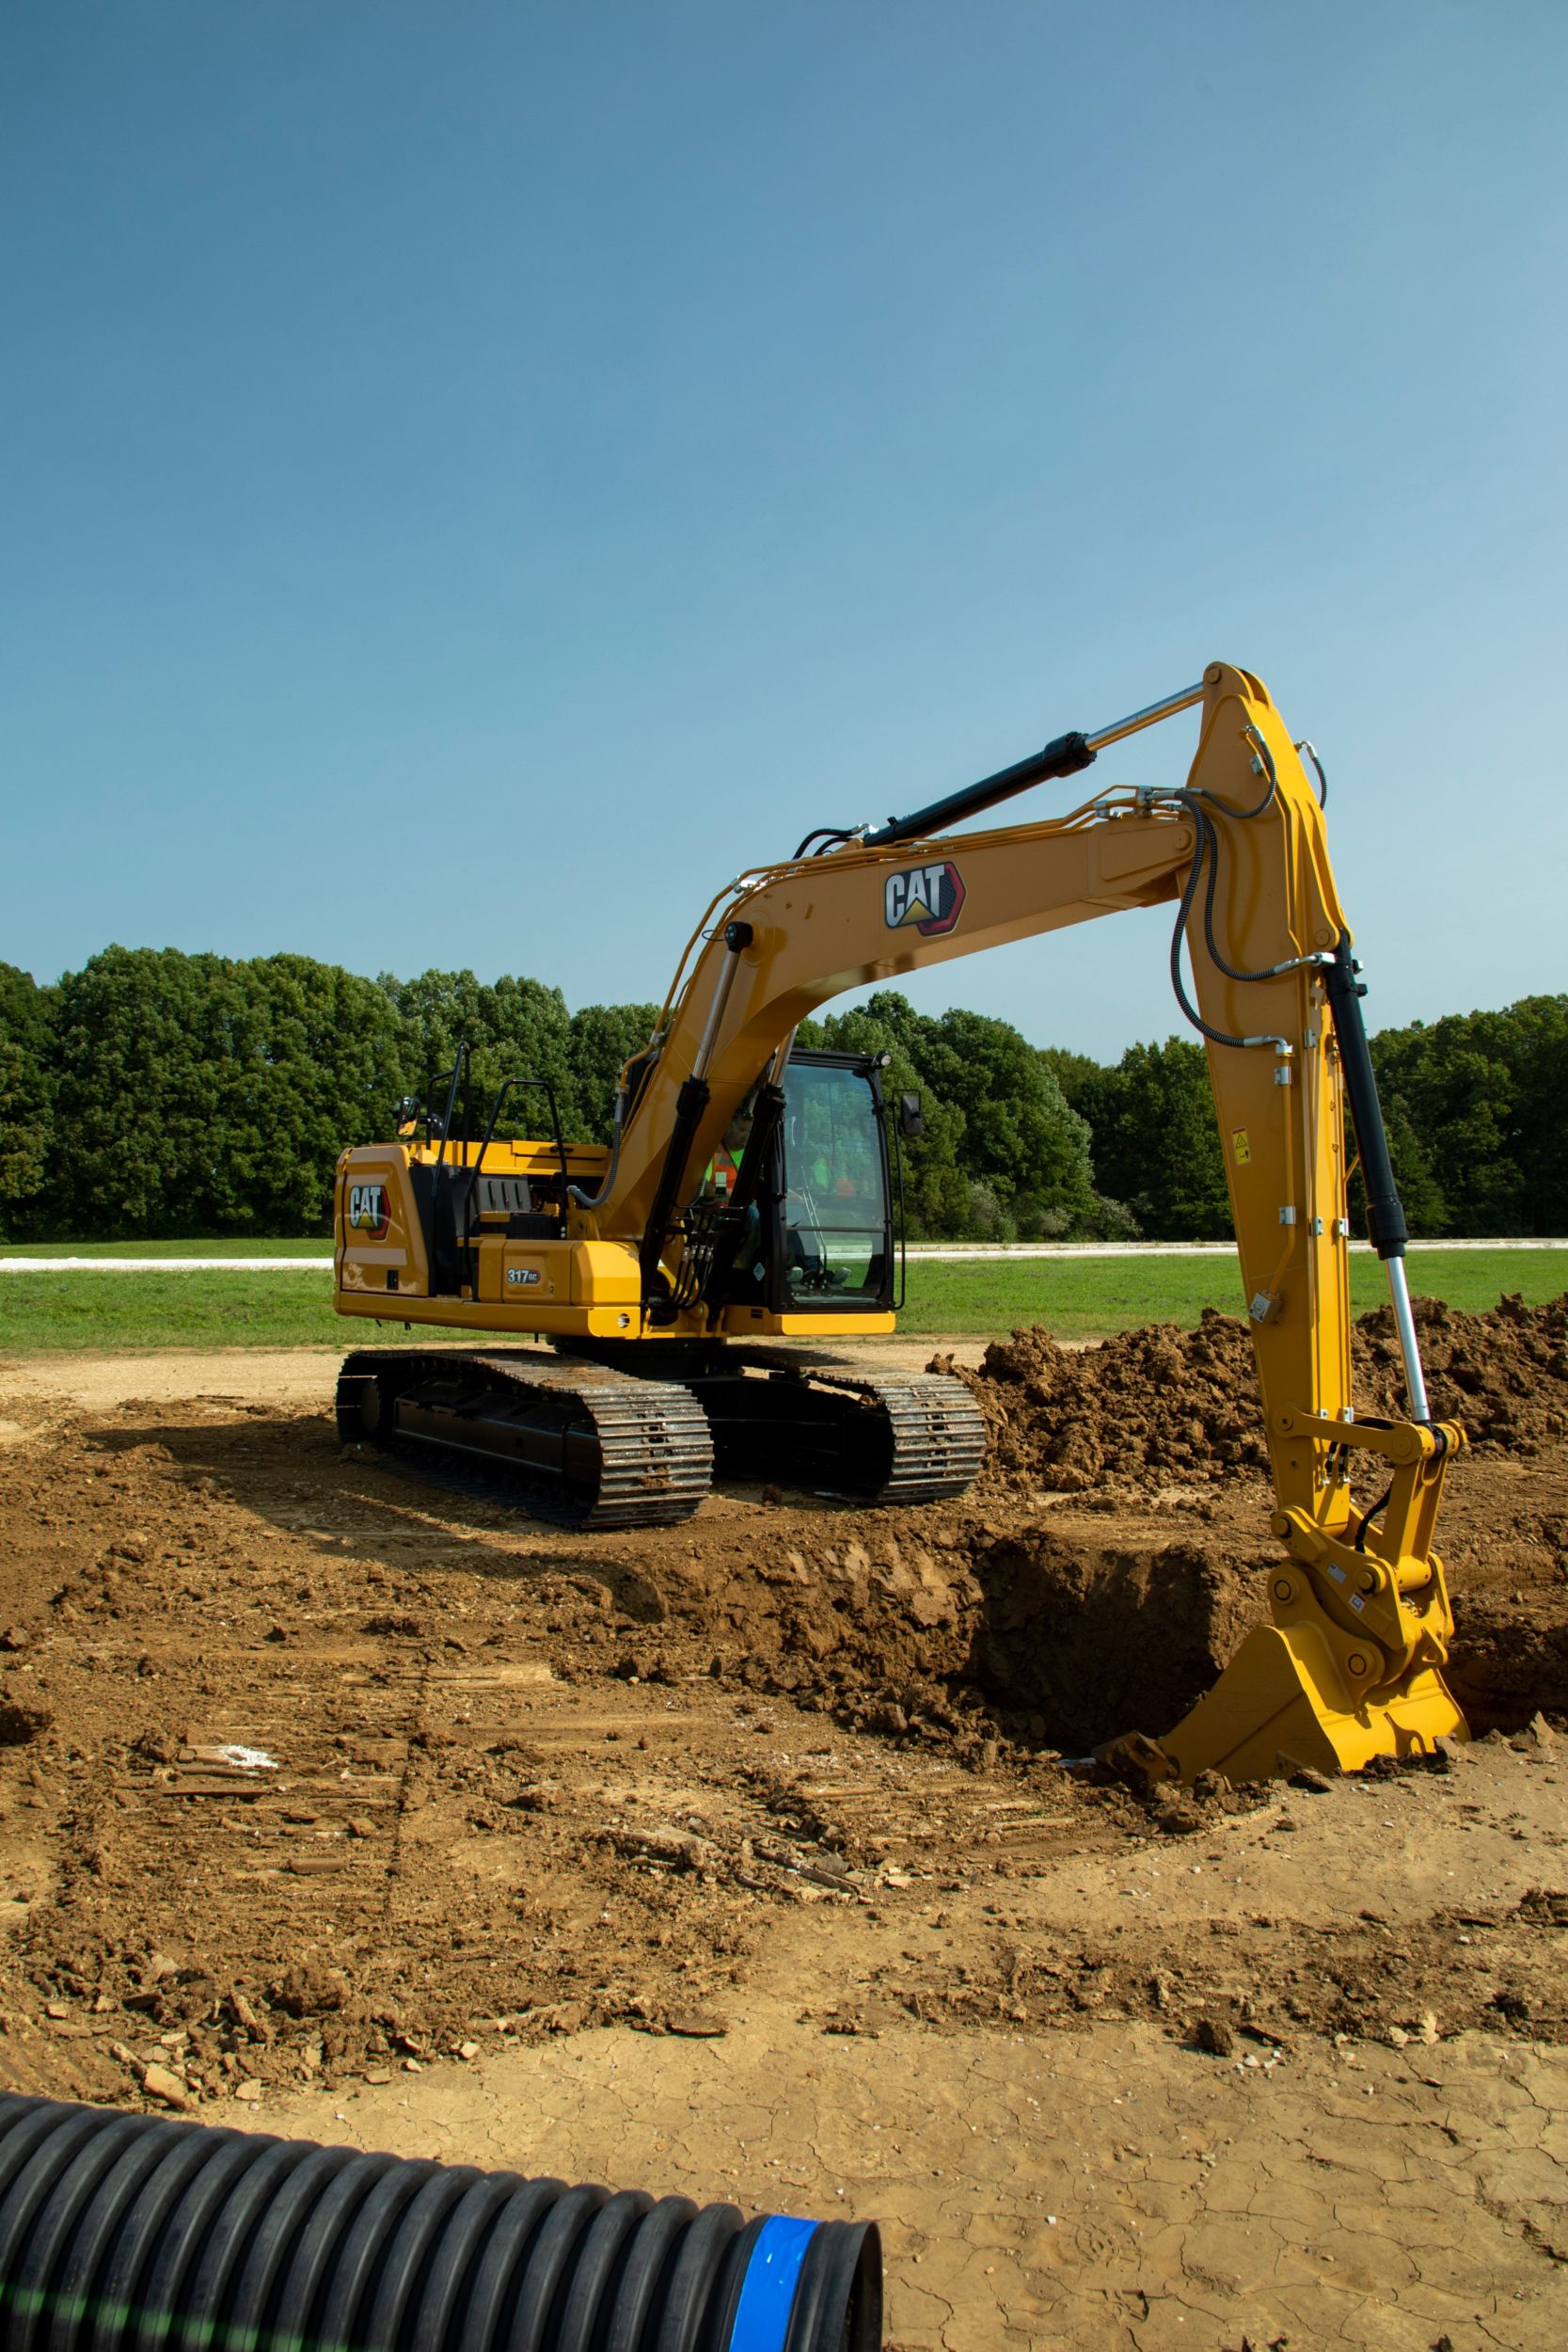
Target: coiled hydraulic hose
122,2231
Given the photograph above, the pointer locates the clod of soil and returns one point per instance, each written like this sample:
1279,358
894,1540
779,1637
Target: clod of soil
20,1719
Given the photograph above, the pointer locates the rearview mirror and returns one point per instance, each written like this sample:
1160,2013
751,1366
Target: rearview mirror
912,1116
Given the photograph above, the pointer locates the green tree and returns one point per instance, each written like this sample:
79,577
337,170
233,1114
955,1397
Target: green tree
1020,1137
198,1095
26,1104
155,1049
330,1074
936,1191
1447,1092
1156,1143
1530,1041
601,1039
1073,1072
513,1028
1476,1100
1421,1193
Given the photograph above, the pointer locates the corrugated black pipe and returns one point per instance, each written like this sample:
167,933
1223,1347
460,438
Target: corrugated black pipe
126,2231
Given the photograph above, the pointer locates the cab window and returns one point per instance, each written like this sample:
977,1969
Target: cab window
835,1206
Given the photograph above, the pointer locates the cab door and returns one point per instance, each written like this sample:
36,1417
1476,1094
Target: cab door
832,1225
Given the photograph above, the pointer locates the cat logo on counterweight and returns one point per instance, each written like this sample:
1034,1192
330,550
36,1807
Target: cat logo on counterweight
370,1211
927,898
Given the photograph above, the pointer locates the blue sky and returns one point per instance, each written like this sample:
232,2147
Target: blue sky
477,475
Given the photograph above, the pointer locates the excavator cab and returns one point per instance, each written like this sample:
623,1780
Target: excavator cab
826,1238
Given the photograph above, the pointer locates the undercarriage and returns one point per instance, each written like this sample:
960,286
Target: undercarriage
597,1444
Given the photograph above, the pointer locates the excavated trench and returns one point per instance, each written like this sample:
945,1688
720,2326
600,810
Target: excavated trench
1115,1549
1067,1632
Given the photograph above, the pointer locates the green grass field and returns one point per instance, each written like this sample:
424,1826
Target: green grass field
320,1247
1086,1298
1077,1299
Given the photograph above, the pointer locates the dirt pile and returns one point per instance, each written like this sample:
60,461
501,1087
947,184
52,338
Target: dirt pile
1153,1407
1504,1374
1163,1407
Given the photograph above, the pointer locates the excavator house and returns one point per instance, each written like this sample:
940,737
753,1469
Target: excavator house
748,1201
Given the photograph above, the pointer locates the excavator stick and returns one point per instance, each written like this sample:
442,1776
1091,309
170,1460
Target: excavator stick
1351,1667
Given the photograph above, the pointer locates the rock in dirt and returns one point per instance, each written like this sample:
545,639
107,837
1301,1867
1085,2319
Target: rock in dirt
159,2082
308,1991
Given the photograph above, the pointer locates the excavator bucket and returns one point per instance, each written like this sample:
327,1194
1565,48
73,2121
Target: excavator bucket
1281,1704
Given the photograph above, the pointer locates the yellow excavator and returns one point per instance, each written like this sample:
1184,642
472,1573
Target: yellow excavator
746,1204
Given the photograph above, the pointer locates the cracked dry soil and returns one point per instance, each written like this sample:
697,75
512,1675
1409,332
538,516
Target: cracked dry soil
738,1858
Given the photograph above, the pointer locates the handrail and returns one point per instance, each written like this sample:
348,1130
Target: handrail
547,1086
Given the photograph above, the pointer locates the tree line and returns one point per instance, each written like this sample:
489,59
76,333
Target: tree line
154,1094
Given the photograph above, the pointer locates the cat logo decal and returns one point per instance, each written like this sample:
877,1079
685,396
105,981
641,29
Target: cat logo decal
926,898
370,1211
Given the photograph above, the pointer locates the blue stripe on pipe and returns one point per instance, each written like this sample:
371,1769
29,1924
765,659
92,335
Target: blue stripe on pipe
767,2290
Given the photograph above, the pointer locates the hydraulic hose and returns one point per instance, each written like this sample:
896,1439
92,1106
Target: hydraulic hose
121,2231
1206,847
579,1194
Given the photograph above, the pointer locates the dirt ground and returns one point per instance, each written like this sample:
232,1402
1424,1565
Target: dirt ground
739,1858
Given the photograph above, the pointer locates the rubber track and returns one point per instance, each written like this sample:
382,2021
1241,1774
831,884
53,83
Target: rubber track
939,1436
655,1450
